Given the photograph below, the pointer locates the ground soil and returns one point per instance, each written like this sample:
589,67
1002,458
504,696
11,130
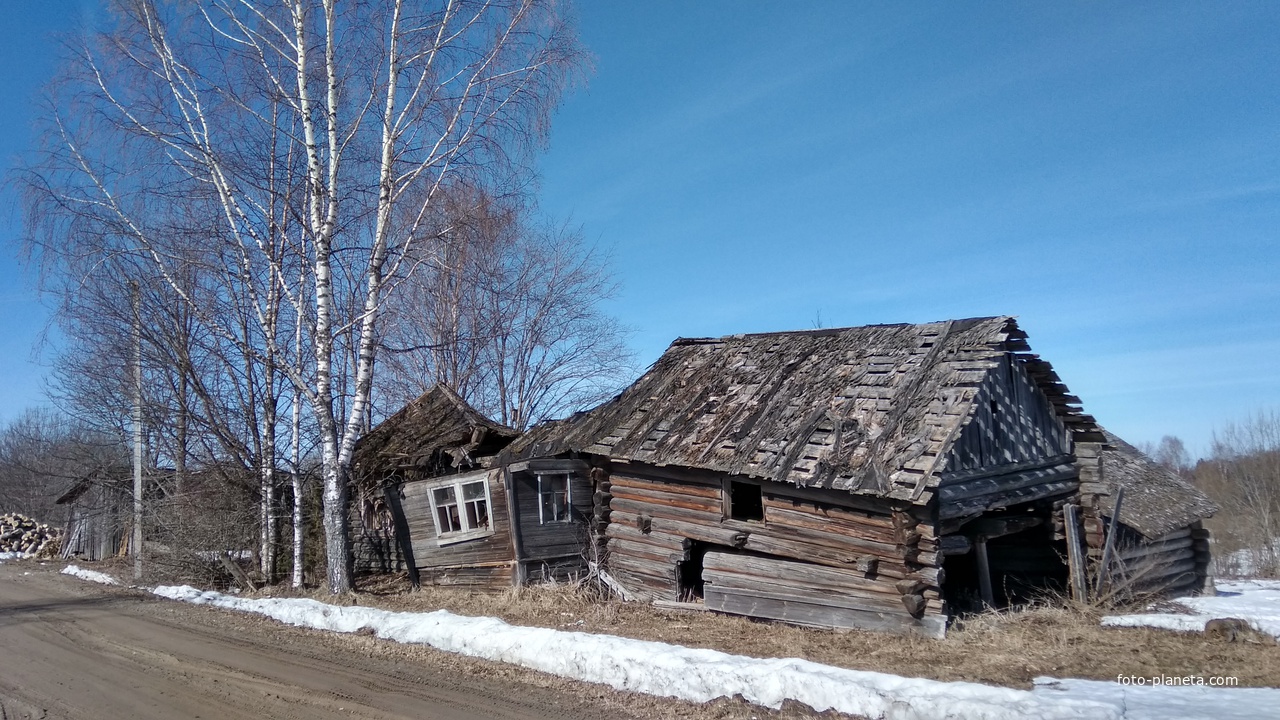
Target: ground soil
73,649
1010,648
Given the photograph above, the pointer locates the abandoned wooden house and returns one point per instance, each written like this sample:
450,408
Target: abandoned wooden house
1159,542
431,499
880,477
98,516
884,477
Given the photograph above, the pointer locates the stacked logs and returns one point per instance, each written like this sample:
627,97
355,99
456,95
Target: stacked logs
21,534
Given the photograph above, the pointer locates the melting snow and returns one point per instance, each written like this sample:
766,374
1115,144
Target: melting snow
90,575
700,675
1257,601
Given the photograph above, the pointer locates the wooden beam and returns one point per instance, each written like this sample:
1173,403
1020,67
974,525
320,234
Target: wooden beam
1075,552
1104,568
984,572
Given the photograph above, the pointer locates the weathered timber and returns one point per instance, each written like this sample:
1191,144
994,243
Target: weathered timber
984,571
979,505
798,572
666,499
1075,552
823,616
954,545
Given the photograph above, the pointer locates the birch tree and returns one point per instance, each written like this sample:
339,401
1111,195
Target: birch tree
295,149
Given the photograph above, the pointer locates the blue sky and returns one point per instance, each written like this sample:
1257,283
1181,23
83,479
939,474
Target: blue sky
1108,172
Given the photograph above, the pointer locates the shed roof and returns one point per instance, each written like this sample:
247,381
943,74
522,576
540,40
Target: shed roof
436,432
871,409
1157,500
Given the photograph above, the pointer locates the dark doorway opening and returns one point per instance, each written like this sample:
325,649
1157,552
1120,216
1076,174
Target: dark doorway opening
689,573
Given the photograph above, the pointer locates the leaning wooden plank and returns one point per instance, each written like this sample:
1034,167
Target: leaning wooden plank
859,599
790,570
823,616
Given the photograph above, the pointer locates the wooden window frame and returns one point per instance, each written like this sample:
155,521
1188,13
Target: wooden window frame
568,498
467,532
727,502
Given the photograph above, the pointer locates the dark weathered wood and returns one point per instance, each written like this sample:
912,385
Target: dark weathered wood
403,539
954,545
1075,552
824,616
1109,547
800,573
984,571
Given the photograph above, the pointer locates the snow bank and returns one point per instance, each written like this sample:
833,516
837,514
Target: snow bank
1257,601
90,575
668,670
1167,702
13,556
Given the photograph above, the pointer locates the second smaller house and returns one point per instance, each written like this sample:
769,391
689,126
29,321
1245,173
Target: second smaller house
433,501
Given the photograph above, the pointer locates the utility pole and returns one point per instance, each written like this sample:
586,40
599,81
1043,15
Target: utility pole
137,432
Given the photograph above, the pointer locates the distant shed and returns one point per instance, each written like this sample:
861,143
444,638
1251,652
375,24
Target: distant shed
1161,545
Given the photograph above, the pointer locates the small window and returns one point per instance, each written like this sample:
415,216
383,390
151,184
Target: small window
746,501
461,510
555,498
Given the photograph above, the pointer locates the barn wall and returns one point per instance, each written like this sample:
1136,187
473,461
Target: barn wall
552,551
1173,564
814,558
1013,450
486,562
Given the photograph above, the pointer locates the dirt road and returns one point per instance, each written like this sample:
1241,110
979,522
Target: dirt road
71,649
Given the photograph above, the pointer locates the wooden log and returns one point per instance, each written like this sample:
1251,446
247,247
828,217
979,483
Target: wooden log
1075,553
683,487
805,574
669,499
954,545
800,613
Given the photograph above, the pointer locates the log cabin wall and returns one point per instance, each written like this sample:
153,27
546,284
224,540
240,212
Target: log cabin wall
373,540
552,546
812,557
485,561
1174,564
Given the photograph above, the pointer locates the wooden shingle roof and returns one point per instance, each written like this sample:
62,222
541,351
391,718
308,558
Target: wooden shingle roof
436,433
1157,500
870,409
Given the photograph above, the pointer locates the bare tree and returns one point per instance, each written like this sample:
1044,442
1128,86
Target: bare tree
1242,474
508,314
292,150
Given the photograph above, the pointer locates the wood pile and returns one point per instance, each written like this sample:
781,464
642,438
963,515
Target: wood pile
21,534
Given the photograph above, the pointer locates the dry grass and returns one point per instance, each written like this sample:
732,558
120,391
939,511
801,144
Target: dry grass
1002,648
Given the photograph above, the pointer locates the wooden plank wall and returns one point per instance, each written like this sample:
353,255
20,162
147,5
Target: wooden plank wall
1013,423
561,547
486,562
873,552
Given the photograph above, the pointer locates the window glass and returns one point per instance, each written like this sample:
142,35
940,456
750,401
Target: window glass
554,497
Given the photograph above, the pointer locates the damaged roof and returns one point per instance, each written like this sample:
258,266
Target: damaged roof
1157,500
871,409
435,434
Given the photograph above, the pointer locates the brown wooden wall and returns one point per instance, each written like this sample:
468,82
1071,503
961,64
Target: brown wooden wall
1013,423
486,562
554,551
817,557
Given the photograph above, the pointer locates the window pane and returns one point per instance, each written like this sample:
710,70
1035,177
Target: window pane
454,522
473,491
478,515
444,495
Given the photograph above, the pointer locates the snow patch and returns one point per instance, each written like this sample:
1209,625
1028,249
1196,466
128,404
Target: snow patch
1257,601
90,575
1167,702
695,675
13,556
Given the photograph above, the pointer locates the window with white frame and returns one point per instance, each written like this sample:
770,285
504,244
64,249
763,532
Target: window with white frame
555,498
461,509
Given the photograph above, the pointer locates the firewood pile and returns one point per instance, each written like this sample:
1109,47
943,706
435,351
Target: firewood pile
21,534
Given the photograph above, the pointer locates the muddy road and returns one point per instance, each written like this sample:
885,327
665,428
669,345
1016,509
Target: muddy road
72,649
